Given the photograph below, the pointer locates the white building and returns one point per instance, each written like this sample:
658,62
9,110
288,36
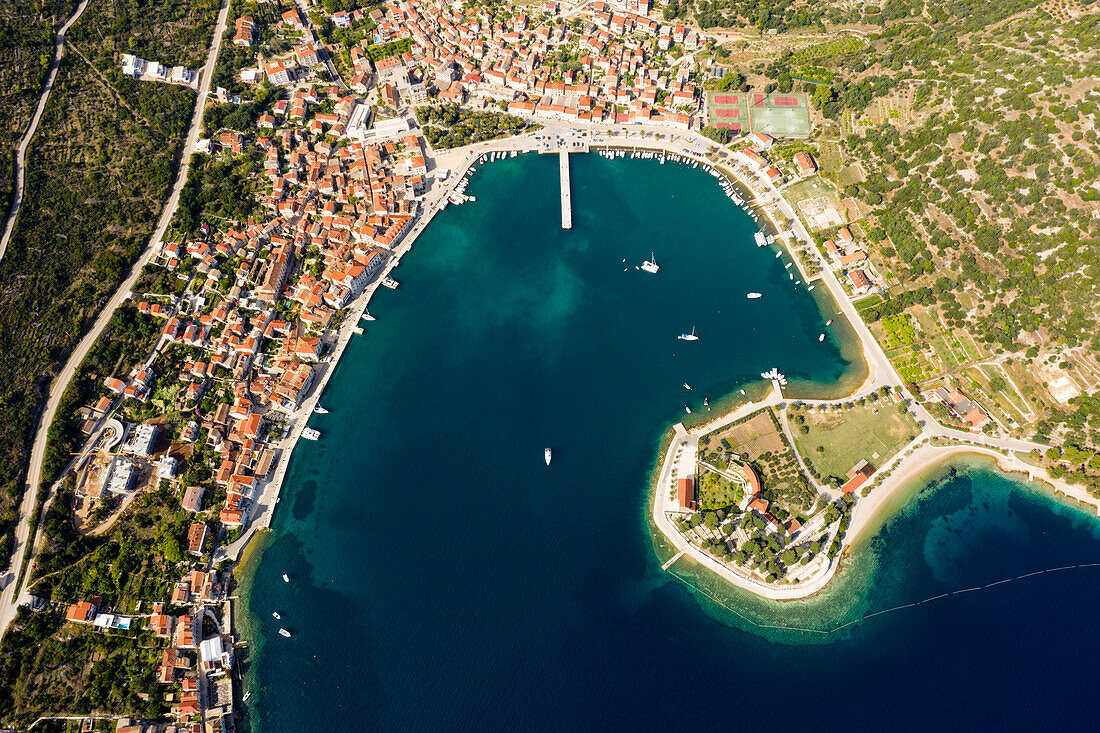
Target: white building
182,75
167,467
132,65
213,656
141,440
120,475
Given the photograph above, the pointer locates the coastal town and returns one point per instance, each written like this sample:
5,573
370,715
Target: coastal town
322,162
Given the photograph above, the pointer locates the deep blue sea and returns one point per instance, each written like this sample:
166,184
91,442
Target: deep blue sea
444,578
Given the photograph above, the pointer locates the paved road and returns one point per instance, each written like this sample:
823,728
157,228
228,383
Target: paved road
8,600
21,155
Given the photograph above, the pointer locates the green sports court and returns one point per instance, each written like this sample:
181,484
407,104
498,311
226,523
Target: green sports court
778,115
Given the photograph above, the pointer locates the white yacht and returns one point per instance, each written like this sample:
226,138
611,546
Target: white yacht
285,578
311,433
651,265
367,316
320,410
689,336
275,615
753,296
284,632
547,455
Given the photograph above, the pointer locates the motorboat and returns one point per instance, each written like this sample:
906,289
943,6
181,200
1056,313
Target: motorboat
275,615
367,316
547,455
687,409
285,578
284,632
689,336
754,296
821,338
687,386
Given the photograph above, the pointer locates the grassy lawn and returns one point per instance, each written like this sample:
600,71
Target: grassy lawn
869,302
837,440
810,188
949,357
969,347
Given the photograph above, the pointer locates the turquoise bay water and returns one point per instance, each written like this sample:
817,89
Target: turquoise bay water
443,577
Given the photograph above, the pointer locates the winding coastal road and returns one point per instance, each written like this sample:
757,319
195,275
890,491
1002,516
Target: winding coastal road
9,600
21,154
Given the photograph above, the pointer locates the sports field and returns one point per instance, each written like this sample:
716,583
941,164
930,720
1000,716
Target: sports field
729,110
778,115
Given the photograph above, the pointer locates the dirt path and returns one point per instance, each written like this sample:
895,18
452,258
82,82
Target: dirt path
21,154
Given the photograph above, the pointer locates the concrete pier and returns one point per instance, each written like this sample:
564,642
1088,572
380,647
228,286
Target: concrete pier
566,203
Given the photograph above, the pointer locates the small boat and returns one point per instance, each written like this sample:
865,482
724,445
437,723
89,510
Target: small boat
547,455
810,288
687,386
753,296
246,696
687,409
311,433
689,336
285,578
367,316
284,632
320,410
829,322
275,615
651,265
821,338
706,402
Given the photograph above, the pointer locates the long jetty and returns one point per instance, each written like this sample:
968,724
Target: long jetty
566,203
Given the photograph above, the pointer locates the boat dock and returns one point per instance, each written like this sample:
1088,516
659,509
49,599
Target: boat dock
566,203
668,563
